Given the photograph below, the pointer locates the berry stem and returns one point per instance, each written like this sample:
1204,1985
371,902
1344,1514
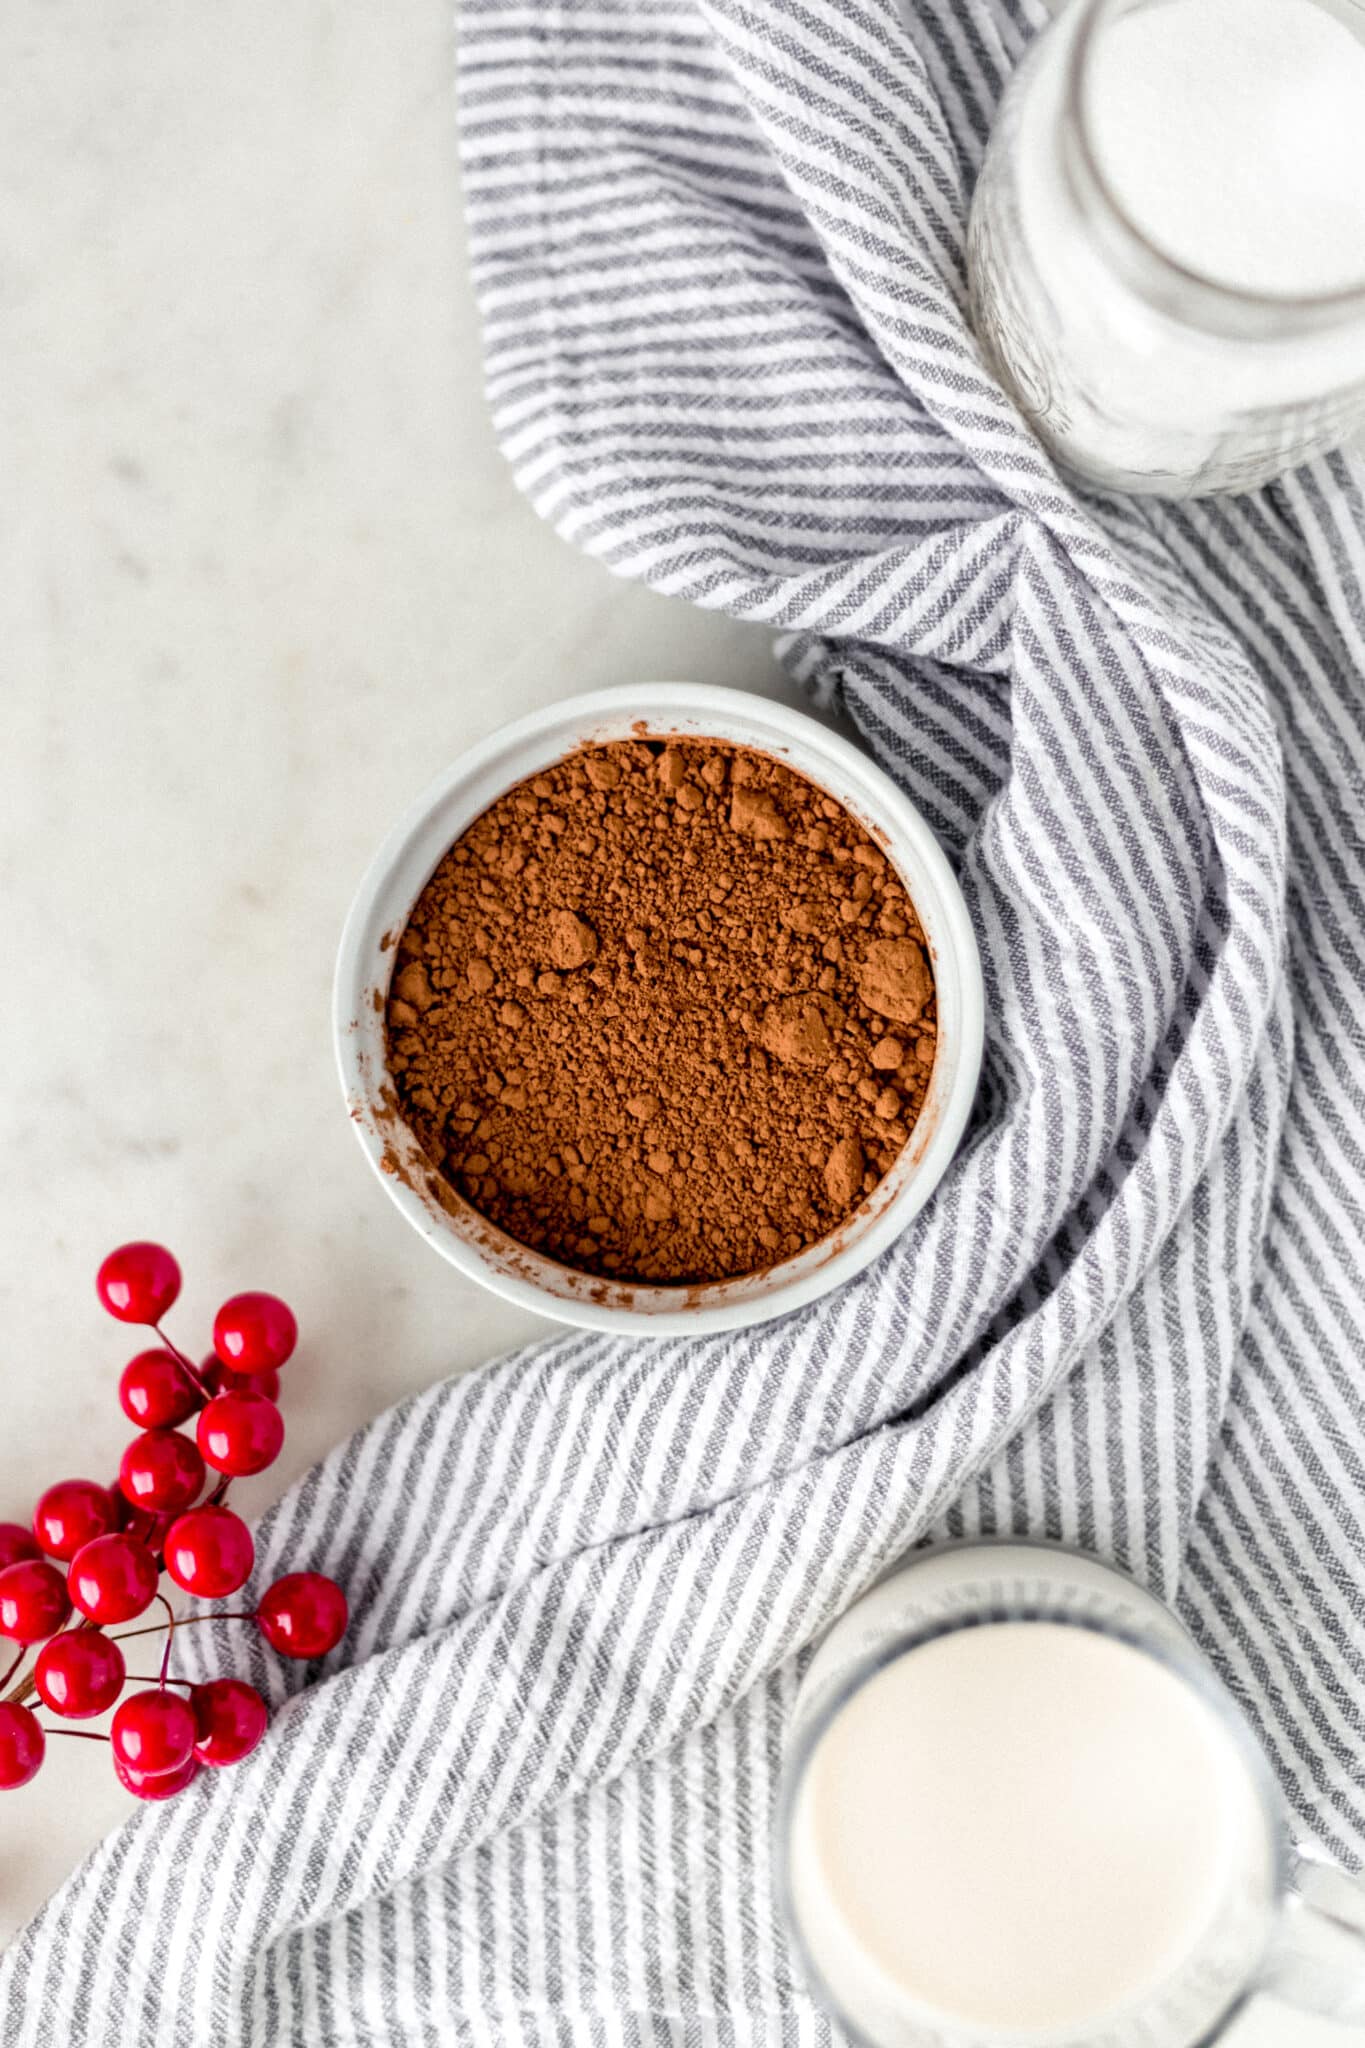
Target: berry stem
13,1668
72,1734
178,1355
185,1621
20,1692
26,1686
145,1678
170,1638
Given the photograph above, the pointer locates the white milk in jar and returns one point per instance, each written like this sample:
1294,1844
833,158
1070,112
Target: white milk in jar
1017,1812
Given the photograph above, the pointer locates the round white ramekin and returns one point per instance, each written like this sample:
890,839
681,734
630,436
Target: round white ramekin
401,870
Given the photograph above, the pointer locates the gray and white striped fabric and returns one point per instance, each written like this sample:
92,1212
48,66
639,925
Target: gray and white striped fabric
720,252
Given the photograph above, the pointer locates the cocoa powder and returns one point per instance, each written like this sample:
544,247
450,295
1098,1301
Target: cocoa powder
664,1013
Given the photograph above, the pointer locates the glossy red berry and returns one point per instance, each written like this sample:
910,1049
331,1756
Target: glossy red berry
230,1718
33,1600
71,1514
22,1744
138,1283
16,1544
303,1615
240,1433
79,1673
254,1333
156,1784
156,1392
209,1552
221,1379
162,1470
153,1731
113,1579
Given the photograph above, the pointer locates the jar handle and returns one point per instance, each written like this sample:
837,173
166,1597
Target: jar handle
1317,1958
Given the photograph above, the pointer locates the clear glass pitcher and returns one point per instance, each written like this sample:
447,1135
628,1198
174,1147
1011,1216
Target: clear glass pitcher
1261,1915
1136,371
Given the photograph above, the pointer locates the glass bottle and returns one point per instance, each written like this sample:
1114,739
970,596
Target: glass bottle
1135,371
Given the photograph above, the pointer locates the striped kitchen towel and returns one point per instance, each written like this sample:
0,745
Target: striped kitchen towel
719,246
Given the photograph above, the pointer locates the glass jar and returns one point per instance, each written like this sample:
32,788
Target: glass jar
870,1798
1135,371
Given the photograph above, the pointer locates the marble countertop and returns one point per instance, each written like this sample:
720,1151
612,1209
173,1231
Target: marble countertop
263,574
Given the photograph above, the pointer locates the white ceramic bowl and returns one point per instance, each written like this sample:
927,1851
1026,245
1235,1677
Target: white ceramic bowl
403,866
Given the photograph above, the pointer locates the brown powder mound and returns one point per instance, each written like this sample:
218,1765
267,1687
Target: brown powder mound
639,1013
895,980
800,1030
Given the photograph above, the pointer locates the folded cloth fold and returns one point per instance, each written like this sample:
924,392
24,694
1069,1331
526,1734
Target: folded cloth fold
719,250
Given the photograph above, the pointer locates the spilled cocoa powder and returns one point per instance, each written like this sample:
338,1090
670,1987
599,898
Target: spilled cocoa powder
664,1013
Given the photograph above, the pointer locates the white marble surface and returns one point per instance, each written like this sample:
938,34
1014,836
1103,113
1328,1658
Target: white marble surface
261,573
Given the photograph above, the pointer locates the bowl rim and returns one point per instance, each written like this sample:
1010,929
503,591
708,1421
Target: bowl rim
384,901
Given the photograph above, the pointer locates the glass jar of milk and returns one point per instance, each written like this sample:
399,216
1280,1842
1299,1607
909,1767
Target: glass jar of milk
1167,242
1020,1811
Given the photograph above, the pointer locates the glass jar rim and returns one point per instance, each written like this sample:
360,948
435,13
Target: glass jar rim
1160,277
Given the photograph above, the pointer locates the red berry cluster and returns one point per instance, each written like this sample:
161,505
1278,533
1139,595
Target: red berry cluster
115,1541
